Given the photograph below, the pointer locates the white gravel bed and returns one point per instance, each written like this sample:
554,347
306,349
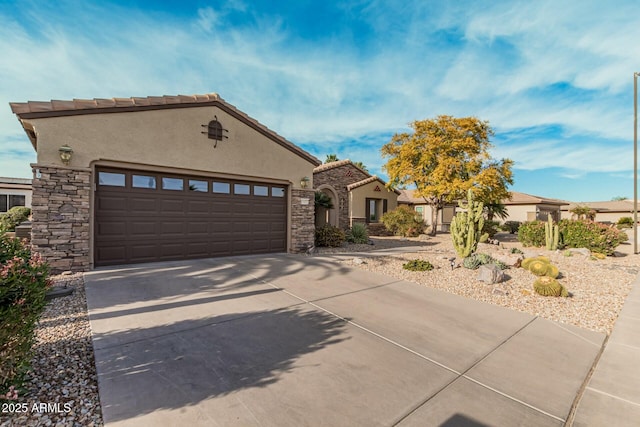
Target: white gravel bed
62,386
598,287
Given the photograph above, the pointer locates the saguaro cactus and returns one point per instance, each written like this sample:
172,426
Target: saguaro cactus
551,234
466,226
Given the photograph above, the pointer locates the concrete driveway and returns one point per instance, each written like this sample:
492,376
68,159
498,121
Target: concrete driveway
287,340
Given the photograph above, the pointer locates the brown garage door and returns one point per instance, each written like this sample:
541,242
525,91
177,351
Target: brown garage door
148,216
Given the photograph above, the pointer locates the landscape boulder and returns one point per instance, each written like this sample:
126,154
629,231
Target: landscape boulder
490,274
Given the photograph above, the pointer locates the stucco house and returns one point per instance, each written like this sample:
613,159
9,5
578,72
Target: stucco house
129,180
526,207
14,192
423,209
608,211
356,195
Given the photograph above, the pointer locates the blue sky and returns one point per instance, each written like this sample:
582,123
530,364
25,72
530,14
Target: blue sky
553,78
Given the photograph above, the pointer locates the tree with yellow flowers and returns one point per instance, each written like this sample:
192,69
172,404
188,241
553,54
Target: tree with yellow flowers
443,158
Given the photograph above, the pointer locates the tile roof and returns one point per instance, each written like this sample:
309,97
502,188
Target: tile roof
57,108
25,108
606,206
527,199
333,165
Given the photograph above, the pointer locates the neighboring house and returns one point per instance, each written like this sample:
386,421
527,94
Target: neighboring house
607,212
526,207
130,180
14,192
423,209
356,195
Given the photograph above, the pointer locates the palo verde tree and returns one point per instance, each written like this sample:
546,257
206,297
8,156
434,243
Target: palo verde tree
443,158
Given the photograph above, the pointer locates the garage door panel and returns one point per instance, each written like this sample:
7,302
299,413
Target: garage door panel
143,205
168,206
139,229
141,225
112,204
112,229
172,228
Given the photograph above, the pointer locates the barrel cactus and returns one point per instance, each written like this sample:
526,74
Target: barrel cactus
540,266
549,287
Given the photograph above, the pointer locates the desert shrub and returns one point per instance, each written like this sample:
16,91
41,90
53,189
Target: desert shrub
515,251
511,226
22,291
330,236
490,228
625,222
13,217
476,260
418,265
358,234
403,221
531,233
591,235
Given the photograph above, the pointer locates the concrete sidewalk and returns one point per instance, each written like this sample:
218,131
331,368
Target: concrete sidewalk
612,396
290,340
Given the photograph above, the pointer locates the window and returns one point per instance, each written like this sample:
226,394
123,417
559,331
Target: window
8,201
241,189
176,184
144,181
111,179
200,186
221,187
259,190
277,192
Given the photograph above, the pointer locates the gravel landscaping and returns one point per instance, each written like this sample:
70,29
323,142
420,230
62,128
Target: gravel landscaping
64,379
598,287
62,386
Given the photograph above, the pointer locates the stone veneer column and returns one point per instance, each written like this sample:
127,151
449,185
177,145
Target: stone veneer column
302,220
61,216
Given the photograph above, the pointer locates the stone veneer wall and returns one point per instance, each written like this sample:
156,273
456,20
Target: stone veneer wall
302,220
61,217
338,178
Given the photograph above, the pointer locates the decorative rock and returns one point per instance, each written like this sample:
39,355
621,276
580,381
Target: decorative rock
581,251
423,237
490,273
358,261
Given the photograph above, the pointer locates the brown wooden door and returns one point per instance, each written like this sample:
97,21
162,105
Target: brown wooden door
143,216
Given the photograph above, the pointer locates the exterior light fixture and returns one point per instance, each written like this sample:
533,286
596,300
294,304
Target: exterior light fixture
304,182
65,154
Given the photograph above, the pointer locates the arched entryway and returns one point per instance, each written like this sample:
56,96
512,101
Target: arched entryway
324,215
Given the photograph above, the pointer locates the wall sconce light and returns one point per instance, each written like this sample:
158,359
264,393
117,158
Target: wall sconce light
304,182
65,154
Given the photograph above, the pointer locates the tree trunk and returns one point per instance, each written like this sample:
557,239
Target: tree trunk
435,209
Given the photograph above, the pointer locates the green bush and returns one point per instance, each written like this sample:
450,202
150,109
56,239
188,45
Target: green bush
418,265
15,216
531,233
403,221
511,226
22,291
358,234
591,235
490,228
330,236
625,222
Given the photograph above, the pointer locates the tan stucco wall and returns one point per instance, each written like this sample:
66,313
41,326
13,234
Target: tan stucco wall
170,138
520,213
357,206
444,216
